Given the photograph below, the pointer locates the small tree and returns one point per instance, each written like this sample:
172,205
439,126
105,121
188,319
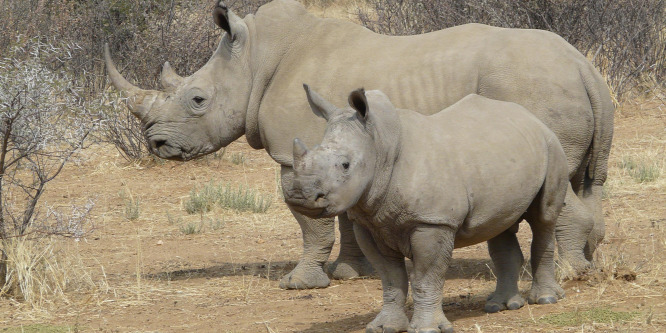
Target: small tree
43,123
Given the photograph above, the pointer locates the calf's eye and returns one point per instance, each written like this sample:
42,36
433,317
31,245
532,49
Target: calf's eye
198,99
345,165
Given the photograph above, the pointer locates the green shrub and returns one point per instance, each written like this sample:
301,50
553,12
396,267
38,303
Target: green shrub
244,199
202,199
642,171
241,199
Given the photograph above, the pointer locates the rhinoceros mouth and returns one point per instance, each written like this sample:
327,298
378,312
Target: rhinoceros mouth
169,152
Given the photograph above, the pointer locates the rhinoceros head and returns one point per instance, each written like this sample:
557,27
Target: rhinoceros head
199,114
331,177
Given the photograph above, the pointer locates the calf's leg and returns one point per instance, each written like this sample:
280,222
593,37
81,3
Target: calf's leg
431,249
508,259
391,269
542,217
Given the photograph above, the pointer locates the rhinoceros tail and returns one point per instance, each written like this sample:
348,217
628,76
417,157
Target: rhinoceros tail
603,110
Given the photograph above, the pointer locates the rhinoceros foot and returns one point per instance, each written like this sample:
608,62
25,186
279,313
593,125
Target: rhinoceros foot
430,323
497,302
545,293
345,268
305,276
388,321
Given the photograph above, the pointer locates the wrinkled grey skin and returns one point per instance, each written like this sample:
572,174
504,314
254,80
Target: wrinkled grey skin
252,86
417,186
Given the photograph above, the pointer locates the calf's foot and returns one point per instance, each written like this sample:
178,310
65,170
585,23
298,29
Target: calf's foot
305,276
503,301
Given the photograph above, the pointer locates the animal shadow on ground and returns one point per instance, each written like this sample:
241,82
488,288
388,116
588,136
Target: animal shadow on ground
272,271
459,269
454,308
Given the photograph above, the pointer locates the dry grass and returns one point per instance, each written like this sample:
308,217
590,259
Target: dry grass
42,272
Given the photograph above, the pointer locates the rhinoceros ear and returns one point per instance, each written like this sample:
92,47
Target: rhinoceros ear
320,106
226,19
359,102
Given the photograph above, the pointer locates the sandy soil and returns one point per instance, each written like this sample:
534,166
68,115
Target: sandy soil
148,275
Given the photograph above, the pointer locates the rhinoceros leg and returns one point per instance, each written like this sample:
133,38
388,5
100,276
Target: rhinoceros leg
432,247
351,262
591,197
393,273
574,225
318,239
507,260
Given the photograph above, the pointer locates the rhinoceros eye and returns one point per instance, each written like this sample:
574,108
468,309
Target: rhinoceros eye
198,99
345,165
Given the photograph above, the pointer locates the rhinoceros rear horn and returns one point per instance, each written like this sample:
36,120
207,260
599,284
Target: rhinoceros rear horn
169,79
320,106
300,149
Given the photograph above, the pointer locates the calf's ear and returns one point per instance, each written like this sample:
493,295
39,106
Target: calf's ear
226,19
359,102
320,106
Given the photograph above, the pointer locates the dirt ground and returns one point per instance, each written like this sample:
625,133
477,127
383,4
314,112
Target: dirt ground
149,275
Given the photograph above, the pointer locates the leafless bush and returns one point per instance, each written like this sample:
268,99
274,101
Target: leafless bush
142,36
625,39
73,224
120,128
43,123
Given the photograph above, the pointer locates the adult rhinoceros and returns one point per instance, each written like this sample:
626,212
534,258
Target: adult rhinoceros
252,85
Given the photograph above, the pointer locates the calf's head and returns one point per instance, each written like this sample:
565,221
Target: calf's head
204,112
332,177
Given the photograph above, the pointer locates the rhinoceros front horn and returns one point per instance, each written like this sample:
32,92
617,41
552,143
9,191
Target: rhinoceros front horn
169,79
139,100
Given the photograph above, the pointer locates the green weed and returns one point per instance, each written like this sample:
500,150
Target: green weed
642,171
244,199
191,228
132,205
202,199
241,199
238,158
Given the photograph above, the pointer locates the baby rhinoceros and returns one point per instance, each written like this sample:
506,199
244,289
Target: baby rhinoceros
419,186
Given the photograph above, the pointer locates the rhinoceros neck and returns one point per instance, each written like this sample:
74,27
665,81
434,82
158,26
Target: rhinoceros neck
387,133
278,27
